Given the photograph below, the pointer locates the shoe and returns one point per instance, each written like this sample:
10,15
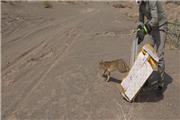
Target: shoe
161,86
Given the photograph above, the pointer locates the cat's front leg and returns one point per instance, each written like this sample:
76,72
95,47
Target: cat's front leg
108,77
104,73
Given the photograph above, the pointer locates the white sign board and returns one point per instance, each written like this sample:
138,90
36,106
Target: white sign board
139,73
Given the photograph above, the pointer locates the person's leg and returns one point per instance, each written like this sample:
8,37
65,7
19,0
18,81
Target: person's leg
150,40
159,38
161,64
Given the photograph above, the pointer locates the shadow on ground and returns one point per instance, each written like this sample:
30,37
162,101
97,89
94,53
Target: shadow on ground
115,80
150,93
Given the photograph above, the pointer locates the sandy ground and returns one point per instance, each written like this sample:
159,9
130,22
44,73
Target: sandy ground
50,65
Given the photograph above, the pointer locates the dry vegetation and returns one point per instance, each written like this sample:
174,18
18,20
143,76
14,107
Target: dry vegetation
130,9
172,9
173,39
47,4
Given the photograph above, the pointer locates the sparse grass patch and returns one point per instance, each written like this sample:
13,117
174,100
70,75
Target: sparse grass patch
173,36
122,5
47,4
119,6
175,2
71,2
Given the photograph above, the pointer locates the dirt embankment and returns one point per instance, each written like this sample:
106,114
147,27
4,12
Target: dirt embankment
13,16
130,9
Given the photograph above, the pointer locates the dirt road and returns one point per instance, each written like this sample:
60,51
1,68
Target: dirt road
50,65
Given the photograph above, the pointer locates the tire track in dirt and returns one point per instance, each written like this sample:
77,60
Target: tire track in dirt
56,24
29,89
21,57
31,55
35,82
44,26
73,36
68,43
35,31
66,95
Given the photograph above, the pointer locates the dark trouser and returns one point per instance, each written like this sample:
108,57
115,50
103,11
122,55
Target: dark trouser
158,38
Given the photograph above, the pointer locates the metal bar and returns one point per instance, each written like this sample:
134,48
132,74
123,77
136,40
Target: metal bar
134,51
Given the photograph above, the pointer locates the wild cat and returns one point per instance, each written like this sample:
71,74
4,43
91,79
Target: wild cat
115,65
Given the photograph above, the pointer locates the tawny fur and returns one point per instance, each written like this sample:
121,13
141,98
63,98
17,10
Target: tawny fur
115,65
